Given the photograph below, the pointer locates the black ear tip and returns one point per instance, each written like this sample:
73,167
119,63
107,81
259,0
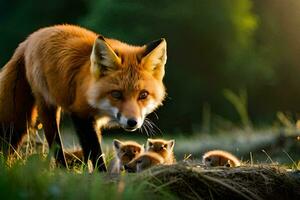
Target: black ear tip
152,45
100,37
158,41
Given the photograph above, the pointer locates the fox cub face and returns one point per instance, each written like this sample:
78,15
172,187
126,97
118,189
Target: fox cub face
127,81
144,161
160,146
127,151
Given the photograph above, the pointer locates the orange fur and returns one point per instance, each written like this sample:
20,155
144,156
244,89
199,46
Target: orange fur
125,151
163,147
144,161
71,68
16,102
220,158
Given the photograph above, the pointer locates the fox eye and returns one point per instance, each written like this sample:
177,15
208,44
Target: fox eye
116,94
139,161
143,95
208,159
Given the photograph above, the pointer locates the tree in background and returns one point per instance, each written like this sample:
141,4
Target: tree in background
19,18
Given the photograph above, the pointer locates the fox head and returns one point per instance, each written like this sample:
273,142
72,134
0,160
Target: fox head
127,81
160,146
127,150
144,161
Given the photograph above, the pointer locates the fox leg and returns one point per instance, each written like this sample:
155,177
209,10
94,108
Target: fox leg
89,141
50,118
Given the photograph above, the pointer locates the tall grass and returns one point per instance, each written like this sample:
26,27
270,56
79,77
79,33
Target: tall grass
240,103
38,179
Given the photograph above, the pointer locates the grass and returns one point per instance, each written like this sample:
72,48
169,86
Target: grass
36,179
32,174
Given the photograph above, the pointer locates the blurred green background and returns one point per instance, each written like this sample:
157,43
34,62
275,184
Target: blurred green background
229,61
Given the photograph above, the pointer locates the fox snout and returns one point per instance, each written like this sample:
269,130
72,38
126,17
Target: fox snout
129,123
129,119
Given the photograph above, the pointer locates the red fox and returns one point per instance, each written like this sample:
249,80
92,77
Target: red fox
220,158
125,152
163,147
95,79
144,161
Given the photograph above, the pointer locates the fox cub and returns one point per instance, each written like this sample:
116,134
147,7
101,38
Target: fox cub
164,148
125,151
220,158
144,161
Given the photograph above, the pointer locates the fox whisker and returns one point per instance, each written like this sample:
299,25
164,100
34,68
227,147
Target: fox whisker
149,127
154,126
144,129
156,116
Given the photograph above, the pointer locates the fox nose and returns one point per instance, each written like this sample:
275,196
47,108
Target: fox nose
131,123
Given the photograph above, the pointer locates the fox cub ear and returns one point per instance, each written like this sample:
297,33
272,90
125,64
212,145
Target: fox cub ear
148,144
117,144
155,58
171,144
103,58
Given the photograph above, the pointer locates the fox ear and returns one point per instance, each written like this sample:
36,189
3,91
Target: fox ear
171,144
103,58
155,58
117,144
149,143
142,148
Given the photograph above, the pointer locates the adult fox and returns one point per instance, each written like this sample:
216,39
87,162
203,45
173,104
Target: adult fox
91,77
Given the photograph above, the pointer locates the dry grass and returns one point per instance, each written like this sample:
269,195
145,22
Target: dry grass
193,181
